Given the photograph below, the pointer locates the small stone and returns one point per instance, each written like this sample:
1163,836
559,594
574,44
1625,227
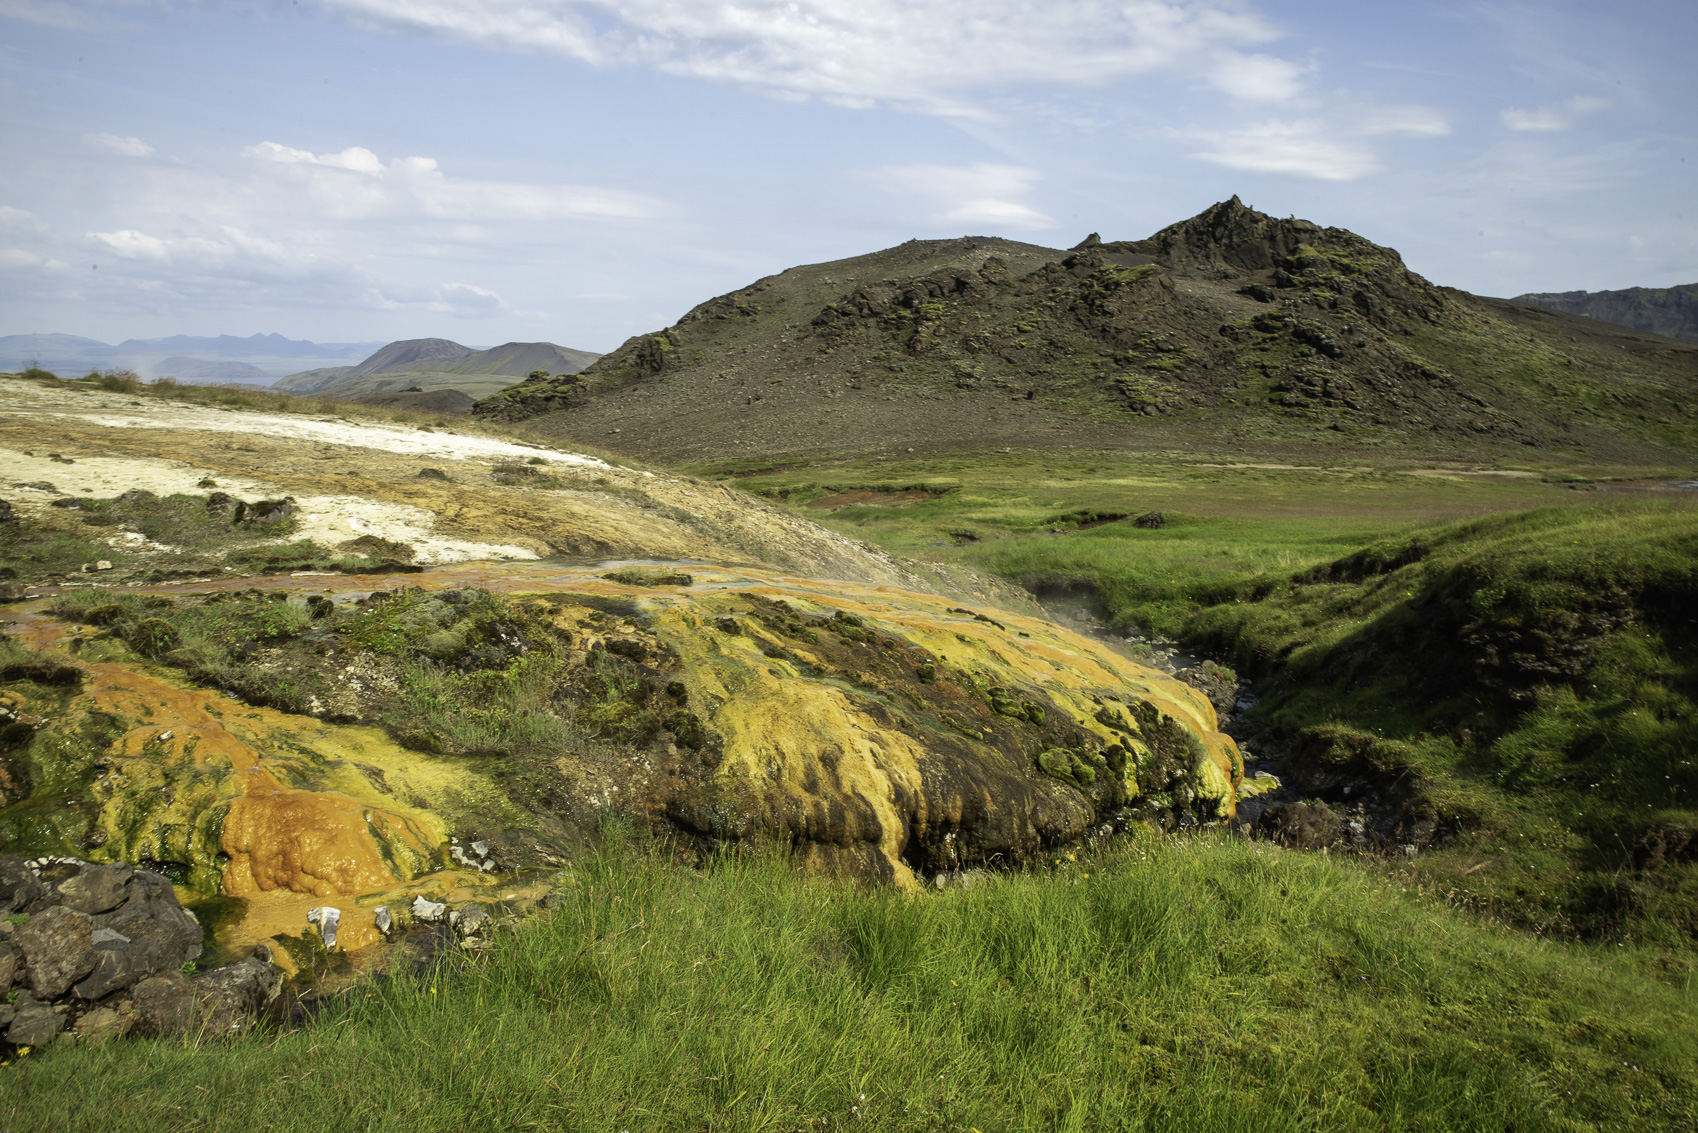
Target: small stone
101,1025
34,1024
326,918
58,950
481,849
384,920
431,912
11,964
470,919
432,474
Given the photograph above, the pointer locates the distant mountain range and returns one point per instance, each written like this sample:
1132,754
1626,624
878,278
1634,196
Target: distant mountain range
258,359
436,373
1662,310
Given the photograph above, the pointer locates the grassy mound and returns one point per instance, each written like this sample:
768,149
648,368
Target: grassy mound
1532,677
1173,984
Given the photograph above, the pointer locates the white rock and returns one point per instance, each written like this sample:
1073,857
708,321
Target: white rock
326,918
384,919
430,911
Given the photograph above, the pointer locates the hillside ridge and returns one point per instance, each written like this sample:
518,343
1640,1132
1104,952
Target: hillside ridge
1661,310
1230,329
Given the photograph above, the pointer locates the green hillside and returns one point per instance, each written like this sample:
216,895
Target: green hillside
1230,330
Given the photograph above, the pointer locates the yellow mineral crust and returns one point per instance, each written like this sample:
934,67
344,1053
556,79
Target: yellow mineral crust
316,842
198,752
837,769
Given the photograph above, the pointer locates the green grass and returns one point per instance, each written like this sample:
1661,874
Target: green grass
1505,656
1179,984
1530,677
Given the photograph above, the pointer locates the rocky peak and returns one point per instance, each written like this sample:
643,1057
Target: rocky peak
1231,234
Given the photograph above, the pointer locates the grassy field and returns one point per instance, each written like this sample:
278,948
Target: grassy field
1492,649
1178,984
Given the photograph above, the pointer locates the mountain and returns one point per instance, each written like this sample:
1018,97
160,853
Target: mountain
1230,330
201,371
267,356
436,366
1662,310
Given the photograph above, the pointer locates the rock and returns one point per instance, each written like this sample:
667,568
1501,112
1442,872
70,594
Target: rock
326,918
18,885
58,950
470,919
101,1025
431,912
34,1024
11,965
152,913
222,504
1302,826
432,474
266,511
1150,521
384,920
103,564
165,1004
7,515
12,591
97,889
231,998
119,964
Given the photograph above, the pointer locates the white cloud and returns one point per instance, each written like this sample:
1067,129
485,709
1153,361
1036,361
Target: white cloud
1333,149
979,194
19,222
125,147
21,258
1258,78
1551,119
357,183
921,54
129,244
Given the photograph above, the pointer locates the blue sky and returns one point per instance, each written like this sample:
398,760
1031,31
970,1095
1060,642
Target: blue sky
580,170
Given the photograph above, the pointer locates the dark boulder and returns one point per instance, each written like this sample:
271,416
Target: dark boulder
97,889
11,966
223,1001
164,1005
58,950
120,963
1301,826
18,885
33,1023
152,913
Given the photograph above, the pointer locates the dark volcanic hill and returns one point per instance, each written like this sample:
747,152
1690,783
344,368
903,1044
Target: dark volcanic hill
1661,310
1231,329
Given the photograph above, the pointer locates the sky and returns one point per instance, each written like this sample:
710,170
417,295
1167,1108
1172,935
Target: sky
580,171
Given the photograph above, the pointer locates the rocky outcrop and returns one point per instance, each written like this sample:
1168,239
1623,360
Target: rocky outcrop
107,949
